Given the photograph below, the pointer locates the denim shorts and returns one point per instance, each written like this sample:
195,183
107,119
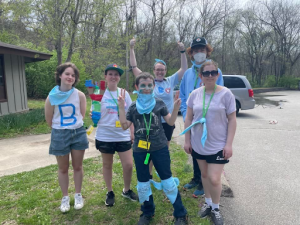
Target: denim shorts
65,140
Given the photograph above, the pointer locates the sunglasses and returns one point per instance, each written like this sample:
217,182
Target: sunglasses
213,73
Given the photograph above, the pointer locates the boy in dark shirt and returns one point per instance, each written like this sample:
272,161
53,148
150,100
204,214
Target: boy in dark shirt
151,143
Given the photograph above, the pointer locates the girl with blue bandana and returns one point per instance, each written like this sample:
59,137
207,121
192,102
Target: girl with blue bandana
210,126
199,52
64,111
150,143
164,87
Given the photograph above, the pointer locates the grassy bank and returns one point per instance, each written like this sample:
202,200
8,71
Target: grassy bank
34,197
33,121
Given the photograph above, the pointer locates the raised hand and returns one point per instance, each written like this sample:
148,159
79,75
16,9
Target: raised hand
121,98
180,46
132,42
177,101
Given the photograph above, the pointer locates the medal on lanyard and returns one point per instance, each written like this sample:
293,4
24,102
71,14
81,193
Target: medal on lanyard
118,124
146,144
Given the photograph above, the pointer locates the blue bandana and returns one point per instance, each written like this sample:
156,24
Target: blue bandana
145,102
196,65
204,133
58,97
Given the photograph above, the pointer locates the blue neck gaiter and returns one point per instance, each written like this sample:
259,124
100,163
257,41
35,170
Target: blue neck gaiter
196,65
145,102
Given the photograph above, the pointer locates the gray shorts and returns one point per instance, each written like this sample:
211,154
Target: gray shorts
65,140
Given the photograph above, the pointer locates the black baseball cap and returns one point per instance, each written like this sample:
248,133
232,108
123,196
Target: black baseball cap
199,41
114,67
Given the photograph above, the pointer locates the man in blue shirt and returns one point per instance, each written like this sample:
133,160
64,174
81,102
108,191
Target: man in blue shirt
198,52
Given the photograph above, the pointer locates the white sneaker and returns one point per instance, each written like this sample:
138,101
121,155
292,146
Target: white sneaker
78,201
65,204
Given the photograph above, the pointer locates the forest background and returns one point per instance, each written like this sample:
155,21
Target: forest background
259,38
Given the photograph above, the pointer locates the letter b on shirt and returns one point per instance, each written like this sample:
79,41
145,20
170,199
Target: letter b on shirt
67,115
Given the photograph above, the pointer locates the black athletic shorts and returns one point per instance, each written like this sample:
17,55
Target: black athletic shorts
168,130
216,158
112,147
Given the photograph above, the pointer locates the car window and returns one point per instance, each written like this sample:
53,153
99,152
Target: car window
233,82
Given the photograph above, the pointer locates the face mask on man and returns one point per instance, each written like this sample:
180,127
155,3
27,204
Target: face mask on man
200,57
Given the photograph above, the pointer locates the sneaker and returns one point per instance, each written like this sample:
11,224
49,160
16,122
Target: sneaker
181,221
216,217
205,210
199,191
78,201
110,198
193,183
65,204
144,220
131,195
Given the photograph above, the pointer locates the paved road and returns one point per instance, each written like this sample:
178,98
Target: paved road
31,152
263,173
264,170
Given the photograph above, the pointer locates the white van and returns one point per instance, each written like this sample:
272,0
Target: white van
242,90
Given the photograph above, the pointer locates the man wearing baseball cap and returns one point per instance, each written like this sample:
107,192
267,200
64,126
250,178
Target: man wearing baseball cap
199,51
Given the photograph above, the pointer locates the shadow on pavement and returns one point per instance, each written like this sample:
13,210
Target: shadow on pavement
247,115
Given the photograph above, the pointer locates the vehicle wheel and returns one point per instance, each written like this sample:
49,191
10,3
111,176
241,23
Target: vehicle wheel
237,107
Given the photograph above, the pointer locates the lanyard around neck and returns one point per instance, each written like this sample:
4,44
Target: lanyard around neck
212,95
196,81
114,98
148,125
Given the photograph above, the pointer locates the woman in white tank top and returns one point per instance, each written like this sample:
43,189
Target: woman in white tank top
64,111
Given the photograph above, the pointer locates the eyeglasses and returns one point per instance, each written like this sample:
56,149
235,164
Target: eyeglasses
160,70
213,73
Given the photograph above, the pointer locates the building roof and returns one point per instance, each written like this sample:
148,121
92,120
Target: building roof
29,55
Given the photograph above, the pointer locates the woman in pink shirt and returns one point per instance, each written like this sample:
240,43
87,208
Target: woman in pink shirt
210,127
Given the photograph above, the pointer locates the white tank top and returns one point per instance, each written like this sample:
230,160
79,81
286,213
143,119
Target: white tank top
67,115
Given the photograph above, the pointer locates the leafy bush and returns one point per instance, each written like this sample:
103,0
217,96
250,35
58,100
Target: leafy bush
270,81
18,122
40,75
288,82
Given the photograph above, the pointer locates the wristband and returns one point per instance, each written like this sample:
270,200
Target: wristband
133,67
182,51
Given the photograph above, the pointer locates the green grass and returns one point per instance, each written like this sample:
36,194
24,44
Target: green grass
34,197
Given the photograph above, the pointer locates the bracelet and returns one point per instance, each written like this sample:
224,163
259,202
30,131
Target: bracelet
133,67
182,51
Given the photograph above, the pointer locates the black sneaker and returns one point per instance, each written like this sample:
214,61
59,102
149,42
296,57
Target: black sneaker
131,195
216,217
205,210
144,220
193,183
110,198
181,221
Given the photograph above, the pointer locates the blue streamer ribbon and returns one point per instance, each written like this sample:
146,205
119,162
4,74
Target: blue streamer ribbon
204,133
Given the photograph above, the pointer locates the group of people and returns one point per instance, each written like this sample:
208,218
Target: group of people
143,130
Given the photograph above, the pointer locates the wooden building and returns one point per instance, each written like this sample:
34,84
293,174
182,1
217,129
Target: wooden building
13,92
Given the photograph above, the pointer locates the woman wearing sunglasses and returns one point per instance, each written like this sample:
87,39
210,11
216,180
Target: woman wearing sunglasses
211,116
199,51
